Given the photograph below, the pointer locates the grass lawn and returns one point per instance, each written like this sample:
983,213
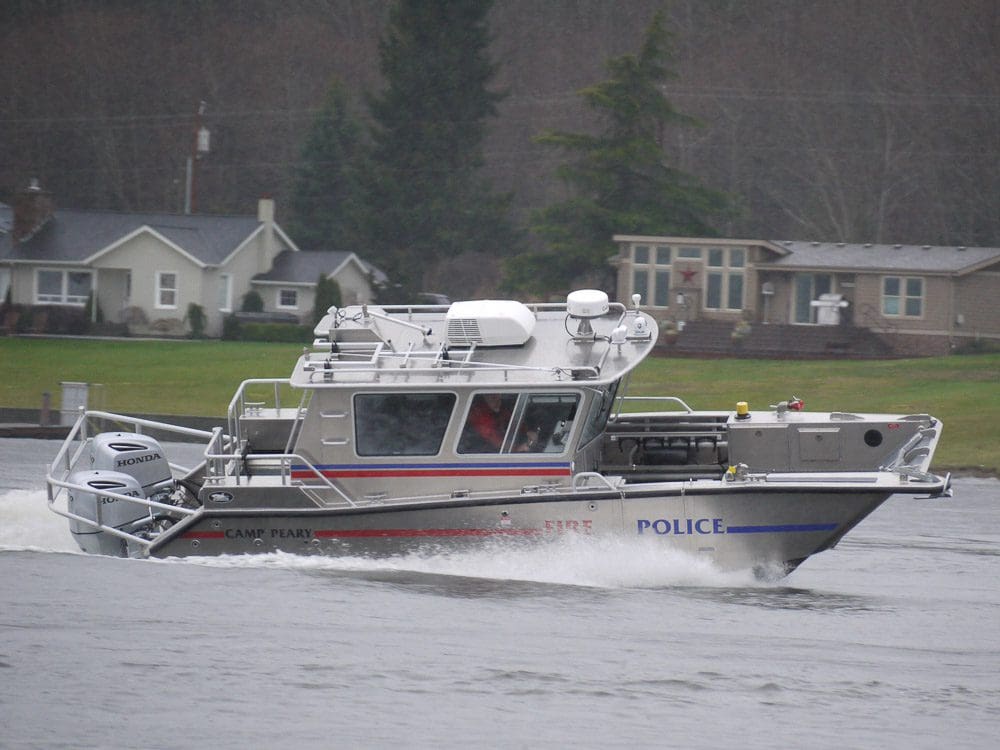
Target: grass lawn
196,378
199,378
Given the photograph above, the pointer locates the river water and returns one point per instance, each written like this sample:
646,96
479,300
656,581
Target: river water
891,640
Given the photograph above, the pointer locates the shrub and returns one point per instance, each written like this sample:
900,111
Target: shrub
88,311
327,296
231,328
196,319
252,302
235,330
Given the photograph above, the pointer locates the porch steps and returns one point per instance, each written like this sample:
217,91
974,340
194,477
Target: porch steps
715,339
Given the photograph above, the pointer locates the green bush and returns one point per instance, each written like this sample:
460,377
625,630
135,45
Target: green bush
327,296
252,302
231,329
196,319
275,332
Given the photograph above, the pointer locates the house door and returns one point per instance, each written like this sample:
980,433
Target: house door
809,286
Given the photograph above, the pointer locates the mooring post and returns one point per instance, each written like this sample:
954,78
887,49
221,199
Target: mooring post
44,414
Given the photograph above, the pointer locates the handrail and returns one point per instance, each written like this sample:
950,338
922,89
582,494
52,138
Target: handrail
592,475
674,399
237,404
314,361
57,477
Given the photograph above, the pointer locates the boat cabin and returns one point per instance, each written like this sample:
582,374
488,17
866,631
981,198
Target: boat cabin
484,395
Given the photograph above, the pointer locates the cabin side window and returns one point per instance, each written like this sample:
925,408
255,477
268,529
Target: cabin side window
506,423
401,424
600,410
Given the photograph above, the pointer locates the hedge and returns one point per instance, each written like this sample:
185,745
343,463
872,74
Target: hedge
234,330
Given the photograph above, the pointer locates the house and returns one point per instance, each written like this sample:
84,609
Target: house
146,269
290,284
917,300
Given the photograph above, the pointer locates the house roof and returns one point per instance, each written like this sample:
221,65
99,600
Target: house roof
904,258
305,266
75,236
774,247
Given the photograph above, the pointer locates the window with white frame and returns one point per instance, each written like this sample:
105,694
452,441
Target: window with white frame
903,296
651,266
166,290
288,299
724,280
61,287
225,293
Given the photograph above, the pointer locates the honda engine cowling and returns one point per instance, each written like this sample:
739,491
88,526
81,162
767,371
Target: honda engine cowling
89,501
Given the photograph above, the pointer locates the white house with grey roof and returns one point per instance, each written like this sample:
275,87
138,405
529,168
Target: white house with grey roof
145,269
290,284
920,299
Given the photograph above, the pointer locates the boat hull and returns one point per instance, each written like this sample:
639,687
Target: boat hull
773,529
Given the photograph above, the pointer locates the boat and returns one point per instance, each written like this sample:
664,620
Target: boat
380,443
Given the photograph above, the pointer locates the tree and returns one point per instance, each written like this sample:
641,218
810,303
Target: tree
621,179
327,296
426,199
327,196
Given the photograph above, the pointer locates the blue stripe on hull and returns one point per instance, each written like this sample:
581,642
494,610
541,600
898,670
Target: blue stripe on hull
784,528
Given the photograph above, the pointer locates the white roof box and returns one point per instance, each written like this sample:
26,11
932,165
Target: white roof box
489,322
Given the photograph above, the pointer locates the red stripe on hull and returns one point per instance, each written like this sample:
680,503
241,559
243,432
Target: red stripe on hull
389,473
367,533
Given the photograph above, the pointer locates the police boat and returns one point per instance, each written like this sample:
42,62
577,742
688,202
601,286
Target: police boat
431,427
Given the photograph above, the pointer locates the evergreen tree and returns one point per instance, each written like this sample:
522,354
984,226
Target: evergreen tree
426,199
327,193
621,180
327,296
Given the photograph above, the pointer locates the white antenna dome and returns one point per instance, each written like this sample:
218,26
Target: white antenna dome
587,303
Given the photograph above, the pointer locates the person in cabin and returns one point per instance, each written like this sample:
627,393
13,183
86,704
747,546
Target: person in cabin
488,422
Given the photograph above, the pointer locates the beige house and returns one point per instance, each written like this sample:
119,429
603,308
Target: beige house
145,270
919,299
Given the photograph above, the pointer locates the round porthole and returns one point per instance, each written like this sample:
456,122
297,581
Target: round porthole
873,438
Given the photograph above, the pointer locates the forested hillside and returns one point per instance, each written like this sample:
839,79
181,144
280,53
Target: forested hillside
834,120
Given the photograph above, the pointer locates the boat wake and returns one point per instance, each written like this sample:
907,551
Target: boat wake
571,560
26,524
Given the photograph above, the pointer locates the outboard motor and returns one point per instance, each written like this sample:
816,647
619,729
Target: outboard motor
114,512
139,456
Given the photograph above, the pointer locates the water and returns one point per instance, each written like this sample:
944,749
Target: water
890,640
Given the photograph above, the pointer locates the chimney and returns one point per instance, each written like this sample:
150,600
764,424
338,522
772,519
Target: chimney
265,210
266,250
32,208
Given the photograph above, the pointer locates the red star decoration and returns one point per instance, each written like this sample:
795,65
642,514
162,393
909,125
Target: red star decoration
688,275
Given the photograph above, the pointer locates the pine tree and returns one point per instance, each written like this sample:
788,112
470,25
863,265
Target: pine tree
327,295
426,199
621,179
327,195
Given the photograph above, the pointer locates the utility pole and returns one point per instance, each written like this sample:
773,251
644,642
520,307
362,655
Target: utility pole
199,147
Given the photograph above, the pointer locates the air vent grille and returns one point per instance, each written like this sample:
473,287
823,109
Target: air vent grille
120,447
464,331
